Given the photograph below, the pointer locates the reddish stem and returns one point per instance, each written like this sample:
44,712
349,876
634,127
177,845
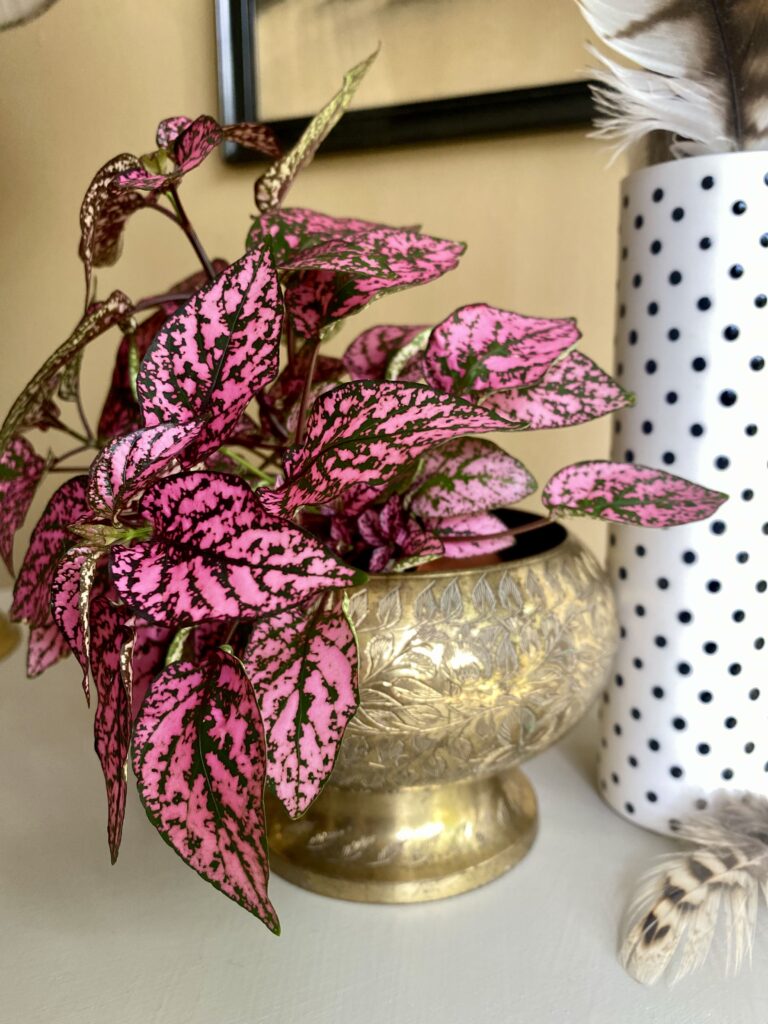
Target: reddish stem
301,421
512,532
186,225
160,300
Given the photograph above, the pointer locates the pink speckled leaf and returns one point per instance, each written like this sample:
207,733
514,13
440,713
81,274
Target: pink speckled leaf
199,759
23,469
303,667
364,432
466,536
343,275
623,492
112,721
481,347
573,390
50,538
273,185
46,646
395,540
71,586
465,476
169,130
131,463
213,355
368,355
215,553
29,408
150,646
296,228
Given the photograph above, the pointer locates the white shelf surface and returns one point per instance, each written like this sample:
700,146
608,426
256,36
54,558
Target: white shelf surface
147,942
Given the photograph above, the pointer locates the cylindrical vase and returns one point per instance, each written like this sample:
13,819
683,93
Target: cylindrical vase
687,711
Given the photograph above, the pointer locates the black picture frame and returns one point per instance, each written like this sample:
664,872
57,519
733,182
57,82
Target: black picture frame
545,107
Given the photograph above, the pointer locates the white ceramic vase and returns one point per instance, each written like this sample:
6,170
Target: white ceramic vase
687,711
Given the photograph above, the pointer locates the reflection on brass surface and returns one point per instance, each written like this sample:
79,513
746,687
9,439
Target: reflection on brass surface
9,636
462,676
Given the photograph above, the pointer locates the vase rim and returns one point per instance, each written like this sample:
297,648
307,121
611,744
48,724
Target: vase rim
754,155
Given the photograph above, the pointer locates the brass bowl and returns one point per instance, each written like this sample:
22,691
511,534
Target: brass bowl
463,675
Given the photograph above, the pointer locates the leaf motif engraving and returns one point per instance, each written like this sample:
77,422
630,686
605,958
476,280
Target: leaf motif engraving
390,610
451,604
482,597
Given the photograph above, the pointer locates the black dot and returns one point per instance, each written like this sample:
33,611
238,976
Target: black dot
622,632
619,680
714,586
654,745
657,692
757,363
673,334
658,195
699,364
701,804
614,778
679,723
675,277
754,694
710,647
629,808
707,182
639,222
718,527
764,241
761,301
633,337
722,462
674,824
637,662
739,207
727,773
671,397
624,252
761,586
653,308
759,643
703,748
738,615
619,369
734,669
640,551
730,722
683,668
697,429
632,762
689,557
765,177
731,332
637,281
660,641
639,610
625,202
747,494
656,247
764,527
749,748
647,427
651,796
629,455
728,397
635,712
622,573
676,772
705,697
668,458
736,270
705,243
685,617
662,583
750,430
617,729
704,303
678,213
650,366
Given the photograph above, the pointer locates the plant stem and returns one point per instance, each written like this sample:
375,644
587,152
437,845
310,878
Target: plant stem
83,418
70,469
73,451
290,341
512,532
55,422
160,300
301,421
186,226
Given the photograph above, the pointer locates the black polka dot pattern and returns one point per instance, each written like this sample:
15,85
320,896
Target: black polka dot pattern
687,712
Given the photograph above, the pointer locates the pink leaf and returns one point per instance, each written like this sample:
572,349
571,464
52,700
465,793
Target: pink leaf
364,432
303,667
215,553
368,355
112,721
573,390
623,492
50,538
169,130
212,356
21,468
46,647
198,755
131,463
150,646
343,275
465,536
395,538
70,602
294,228
465,476
481,347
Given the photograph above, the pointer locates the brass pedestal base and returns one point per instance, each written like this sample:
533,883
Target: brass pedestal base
415,844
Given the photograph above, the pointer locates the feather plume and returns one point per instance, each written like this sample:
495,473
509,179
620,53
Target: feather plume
680,904
701,72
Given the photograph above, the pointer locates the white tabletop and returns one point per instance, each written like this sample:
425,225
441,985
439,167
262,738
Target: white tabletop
147,942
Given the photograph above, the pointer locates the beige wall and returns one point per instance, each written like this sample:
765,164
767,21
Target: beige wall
91,78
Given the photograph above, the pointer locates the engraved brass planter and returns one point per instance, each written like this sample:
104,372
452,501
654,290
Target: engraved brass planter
463,675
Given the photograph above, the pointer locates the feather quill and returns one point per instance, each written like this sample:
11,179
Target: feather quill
681,904
701,72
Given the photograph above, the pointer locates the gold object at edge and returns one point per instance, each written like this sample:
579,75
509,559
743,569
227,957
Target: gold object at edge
10,636
462,677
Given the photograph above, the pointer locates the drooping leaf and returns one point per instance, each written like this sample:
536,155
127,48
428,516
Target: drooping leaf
369,354
103,214
343,275
273,185
215,553
465,476
112,721
45,647
466,536
28,408
169,129
23,469
624,492
296,228
215,353
302,664
149,649
199,759
480,347
50,538
71,586
364,432
573,390
131,463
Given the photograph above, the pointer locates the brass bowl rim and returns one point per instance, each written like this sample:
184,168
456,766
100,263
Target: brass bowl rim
541,556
